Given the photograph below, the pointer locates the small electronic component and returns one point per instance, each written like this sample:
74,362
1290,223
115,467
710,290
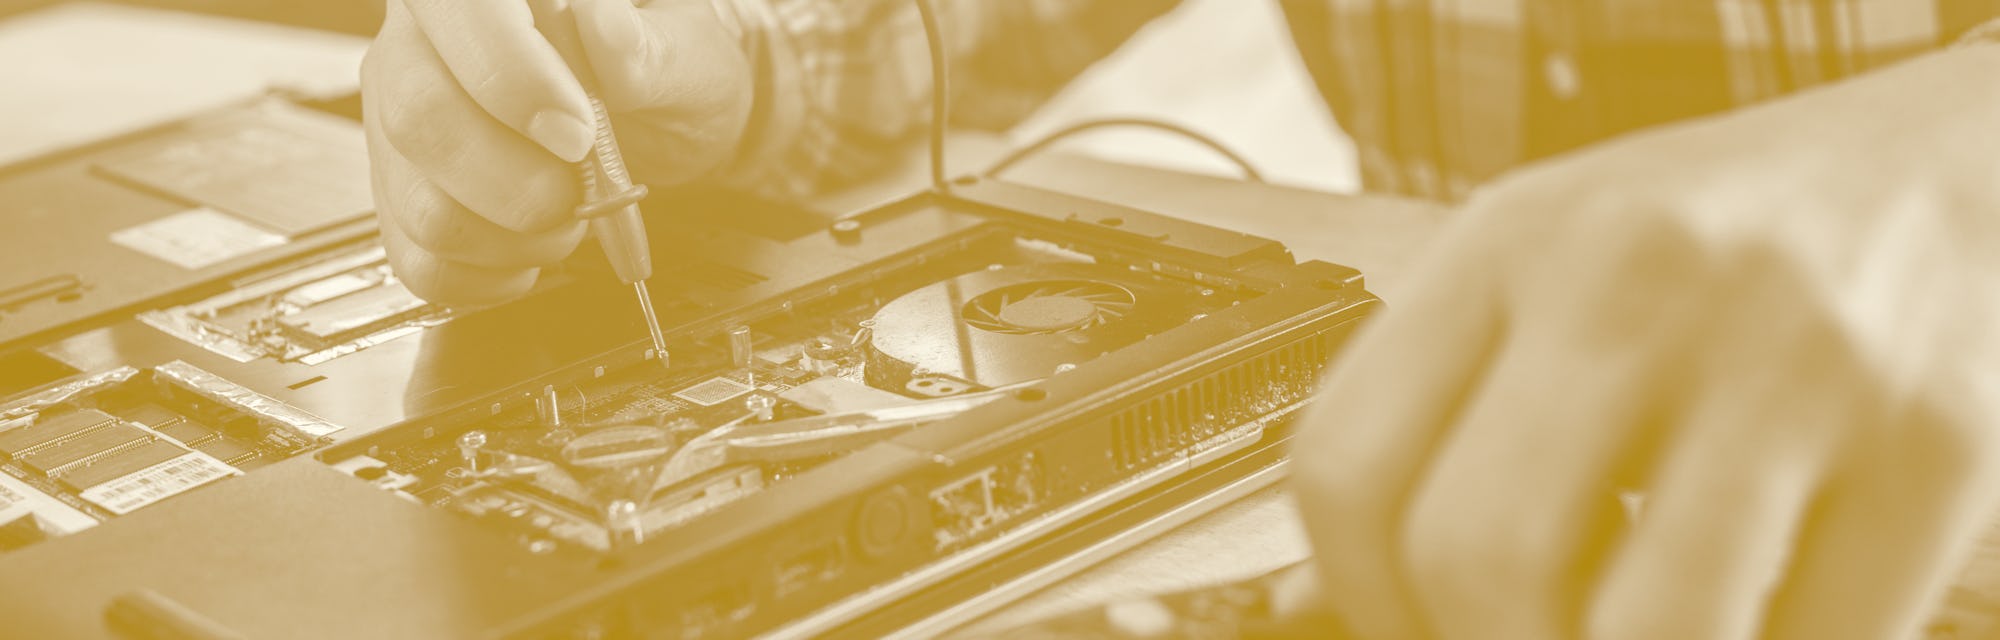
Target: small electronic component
319,311
377,472
713,392
743,352
353,315
548,408
762,406
469,444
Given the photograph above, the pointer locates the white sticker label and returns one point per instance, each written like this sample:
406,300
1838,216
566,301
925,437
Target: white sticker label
196,238
154,483
55,517
12,504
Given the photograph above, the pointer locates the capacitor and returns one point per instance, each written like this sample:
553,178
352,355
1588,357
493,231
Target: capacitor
548,408
824,355
469,444
846,231
621,522
764,406
740,351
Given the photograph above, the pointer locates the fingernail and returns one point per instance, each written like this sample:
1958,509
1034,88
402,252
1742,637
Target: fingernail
562,134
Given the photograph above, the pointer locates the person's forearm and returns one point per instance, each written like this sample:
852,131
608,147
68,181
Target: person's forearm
843,85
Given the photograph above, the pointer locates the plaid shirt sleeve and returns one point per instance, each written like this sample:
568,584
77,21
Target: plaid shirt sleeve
843,85
1441,96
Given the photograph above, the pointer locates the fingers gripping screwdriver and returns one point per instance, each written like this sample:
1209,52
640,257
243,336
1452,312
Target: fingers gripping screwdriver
611,201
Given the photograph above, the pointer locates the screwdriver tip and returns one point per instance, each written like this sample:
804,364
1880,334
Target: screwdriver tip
652,322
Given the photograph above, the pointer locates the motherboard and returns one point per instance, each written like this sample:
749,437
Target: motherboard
764,401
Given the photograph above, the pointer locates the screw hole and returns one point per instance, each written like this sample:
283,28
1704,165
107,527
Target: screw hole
1031,394
1111,222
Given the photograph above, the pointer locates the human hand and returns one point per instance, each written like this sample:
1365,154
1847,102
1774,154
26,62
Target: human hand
1780,326
473,123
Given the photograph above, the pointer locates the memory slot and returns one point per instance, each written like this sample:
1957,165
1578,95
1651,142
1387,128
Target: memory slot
189,432
85,449
227,450
151,415
52,431
120,464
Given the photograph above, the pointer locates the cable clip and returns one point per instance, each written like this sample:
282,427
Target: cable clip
600,208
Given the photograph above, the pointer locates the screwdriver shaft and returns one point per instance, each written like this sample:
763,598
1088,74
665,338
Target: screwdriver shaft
611,201
652,322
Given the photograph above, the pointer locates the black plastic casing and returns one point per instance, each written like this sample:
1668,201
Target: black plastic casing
299,550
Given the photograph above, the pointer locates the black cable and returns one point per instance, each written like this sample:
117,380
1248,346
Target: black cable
1249,171
941,115
940,91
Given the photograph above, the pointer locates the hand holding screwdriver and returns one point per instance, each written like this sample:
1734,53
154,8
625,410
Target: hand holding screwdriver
475,121
611,200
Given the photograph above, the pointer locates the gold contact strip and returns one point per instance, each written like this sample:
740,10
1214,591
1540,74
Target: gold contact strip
63,439
61,470
844,611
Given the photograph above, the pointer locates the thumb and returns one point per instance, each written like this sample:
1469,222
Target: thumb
671,56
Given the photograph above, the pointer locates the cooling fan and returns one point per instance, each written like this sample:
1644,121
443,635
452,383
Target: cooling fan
1013,324
1048,306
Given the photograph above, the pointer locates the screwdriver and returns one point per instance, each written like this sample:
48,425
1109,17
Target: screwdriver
611,201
